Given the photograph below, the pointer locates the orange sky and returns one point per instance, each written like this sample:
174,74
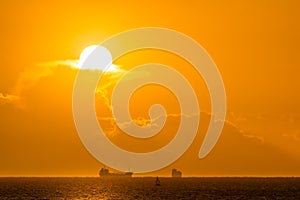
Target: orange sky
255,46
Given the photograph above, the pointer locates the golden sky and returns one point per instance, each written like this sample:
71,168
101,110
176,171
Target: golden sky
255,45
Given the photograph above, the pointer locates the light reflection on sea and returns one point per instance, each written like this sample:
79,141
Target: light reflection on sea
144,188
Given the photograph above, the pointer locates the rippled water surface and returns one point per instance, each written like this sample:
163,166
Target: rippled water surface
144,188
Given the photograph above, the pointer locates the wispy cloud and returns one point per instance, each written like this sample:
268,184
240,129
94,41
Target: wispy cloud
295,135
29,77
75,64
56,63
4,99
40,70
32,75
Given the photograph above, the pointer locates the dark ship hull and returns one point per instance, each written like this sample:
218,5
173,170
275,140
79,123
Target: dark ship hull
176,173
105,173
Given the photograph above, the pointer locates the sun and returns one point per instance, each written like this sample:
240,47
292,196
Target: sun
86,53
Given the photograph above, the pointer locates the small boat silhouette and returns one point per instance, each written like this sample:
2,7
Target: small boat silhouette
157,182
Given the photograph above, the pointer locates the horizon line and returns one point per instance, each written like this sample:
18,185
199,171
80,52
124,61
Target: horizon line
161,176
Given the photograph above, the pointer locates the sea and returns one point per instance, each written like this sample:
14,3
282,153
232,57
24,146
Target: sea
145,188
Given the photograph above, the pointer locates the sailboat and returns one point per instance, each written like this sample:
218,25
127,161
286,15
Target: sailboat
157,182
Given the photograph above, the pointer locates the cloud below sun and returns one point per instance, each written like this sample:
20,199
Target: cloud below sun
77,64
47,88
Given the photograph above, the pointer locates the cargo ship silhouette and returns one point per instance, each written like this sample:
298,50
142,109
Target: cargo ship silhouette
105,173
176,173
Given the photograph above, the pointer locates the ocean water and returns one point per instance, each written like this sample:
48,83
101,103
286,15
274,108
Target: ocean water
144,188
